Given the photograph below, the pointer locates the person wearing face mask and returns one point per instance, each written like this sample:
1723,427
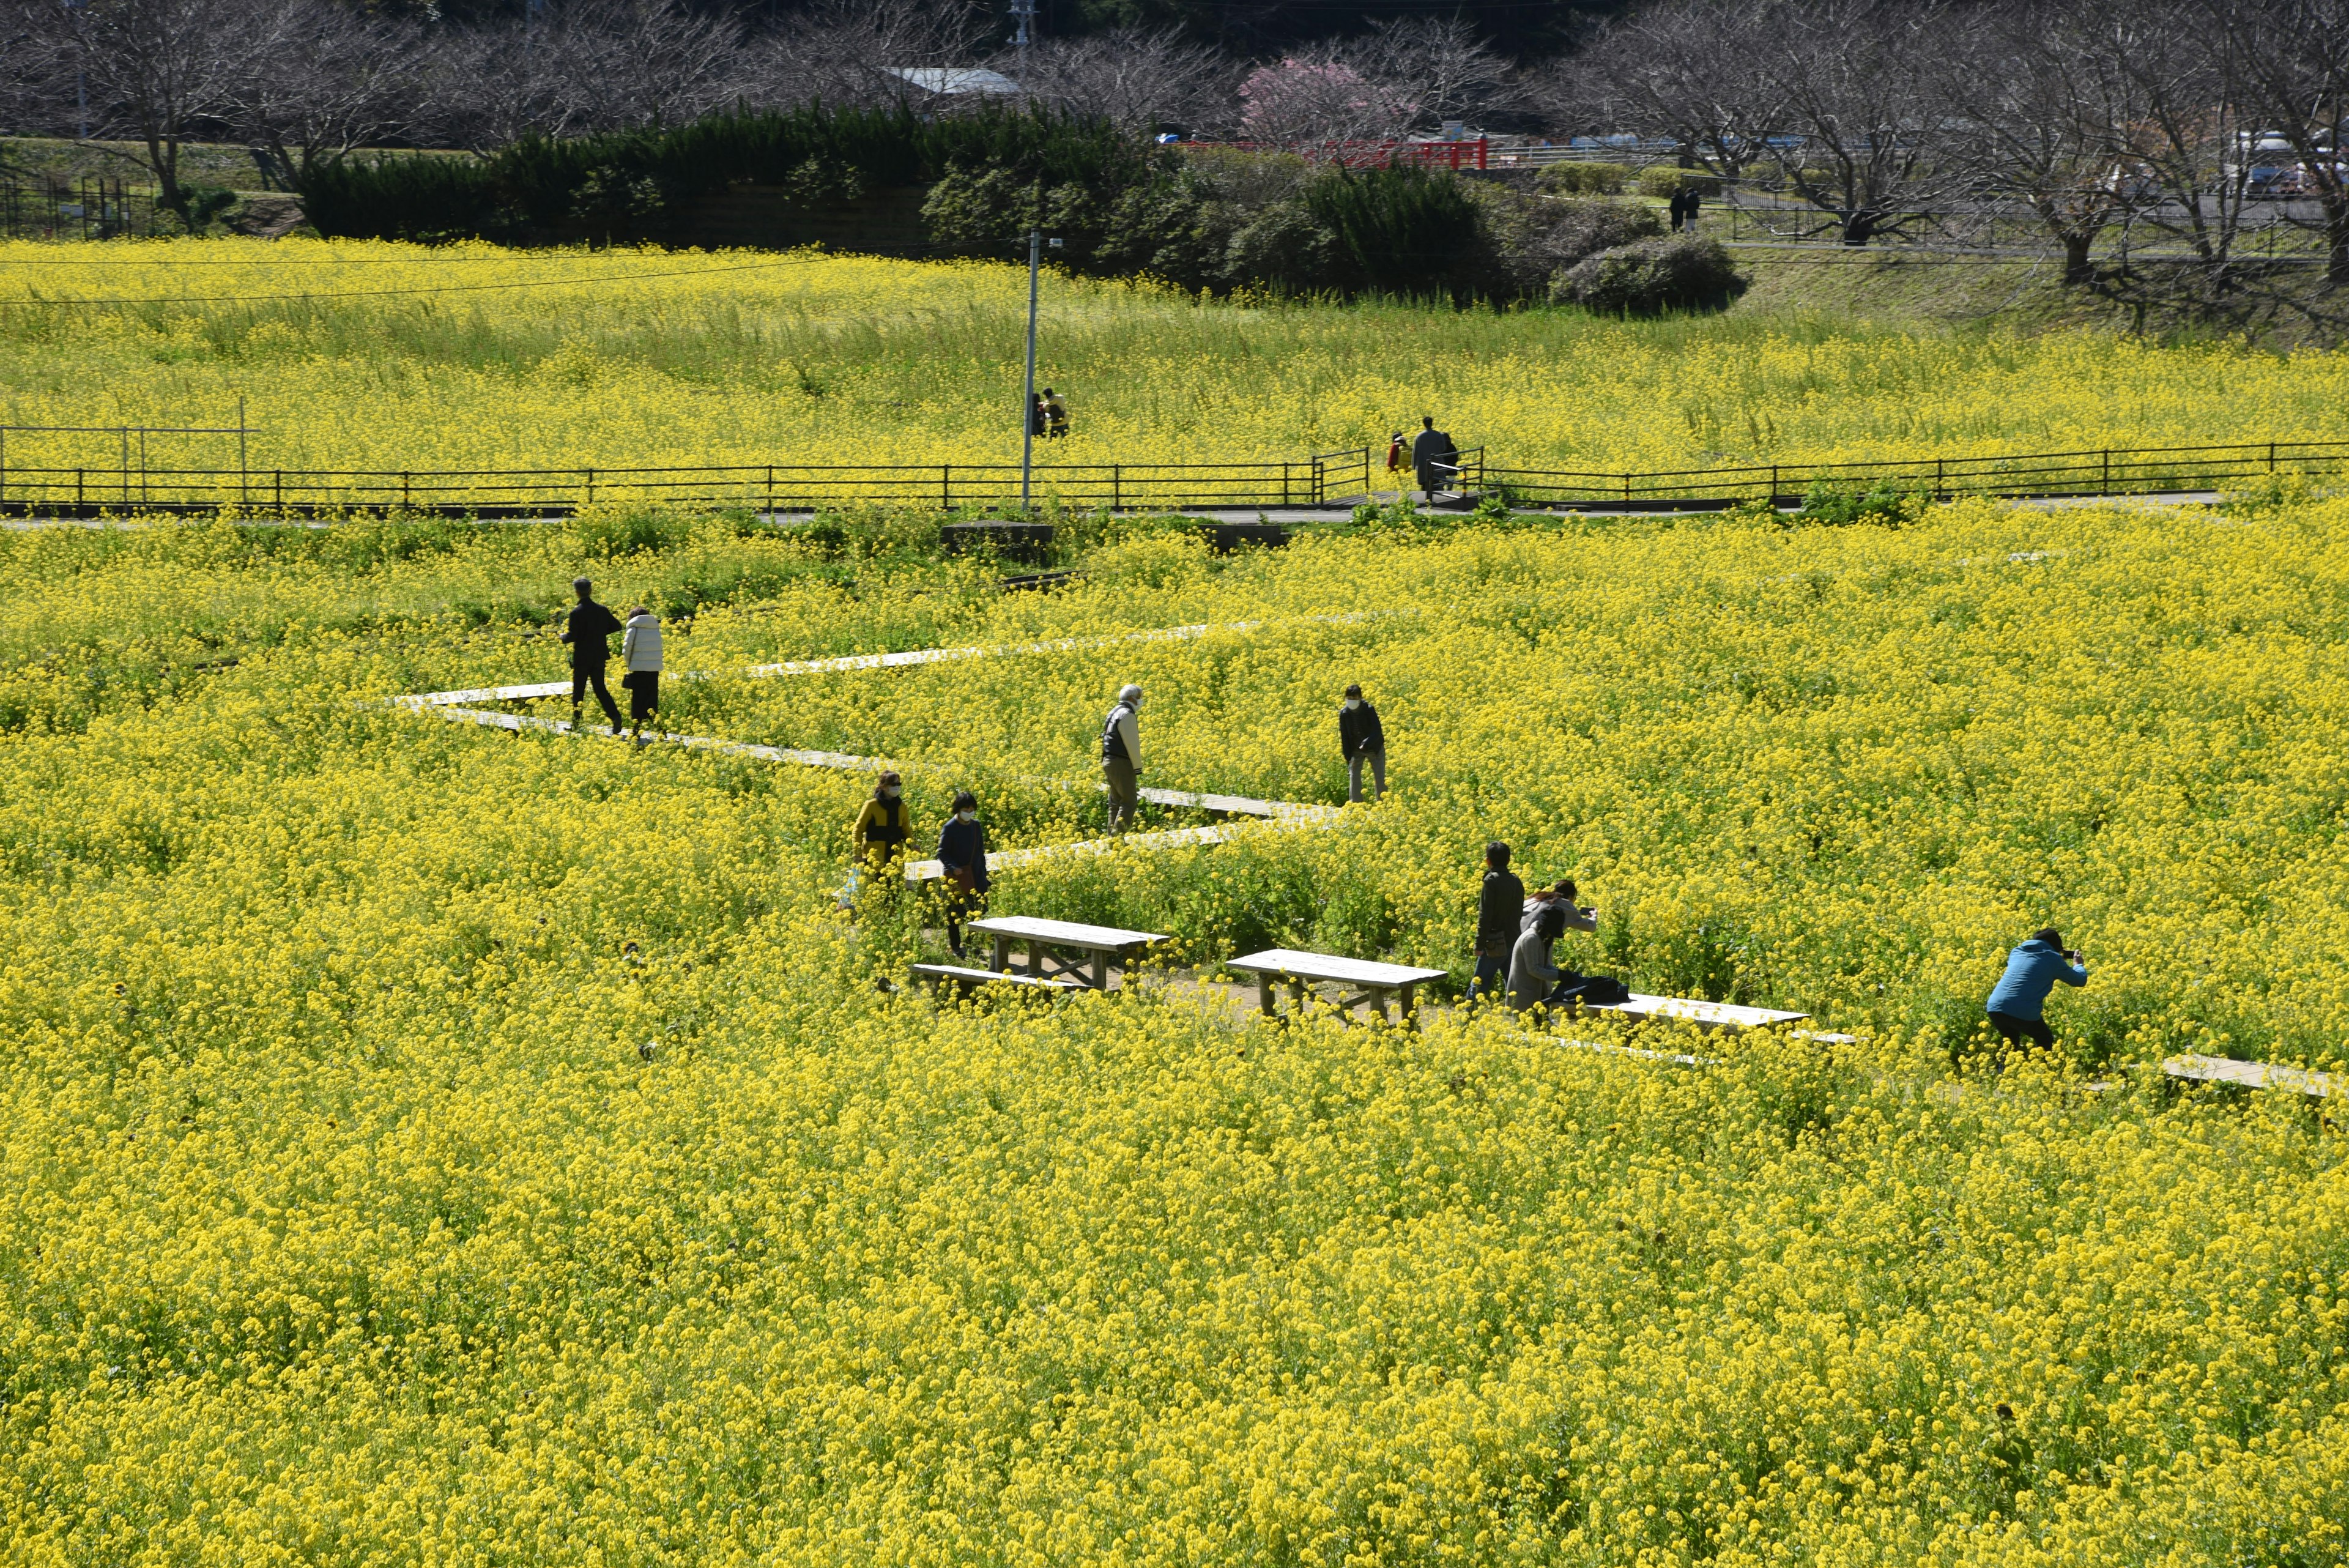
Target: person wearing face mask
880,830
1121,756
1363,739
962,855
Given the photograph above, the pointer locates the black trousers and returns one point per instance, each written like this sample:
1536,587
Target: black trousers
2012,1028
583,676
644,693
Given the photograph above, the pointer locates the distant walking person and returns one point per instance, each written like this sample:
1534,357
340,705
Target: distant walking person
1364,741
962,855
589,632
1036,420
1395,453
1121,756
880,830
2018,1004
1433,457
640,665
1679,207
1497,906
1056,415
1689,204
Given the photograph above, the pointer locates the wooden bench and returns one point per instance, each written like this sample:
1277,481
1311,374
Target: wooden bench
1706,1015
1374,983
964,978
1049,944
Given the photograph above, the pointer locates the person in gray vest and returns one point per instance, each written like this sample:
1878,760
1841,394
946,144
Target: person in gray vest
1121,756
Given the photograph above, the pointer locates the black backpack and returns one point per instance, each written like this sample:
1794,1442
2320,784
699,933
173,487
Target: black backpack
1596,991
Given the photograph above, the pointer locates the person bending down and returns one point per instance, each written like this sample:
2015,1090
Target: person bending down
2018,1004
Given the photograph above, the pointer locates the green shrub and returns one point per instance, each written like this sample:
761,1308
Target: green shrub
1585,228
1402,231
1582,179
1661,181
1840,506
1677,272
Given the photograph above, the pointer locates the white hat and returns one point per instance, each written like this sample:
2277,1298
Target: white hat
1129,693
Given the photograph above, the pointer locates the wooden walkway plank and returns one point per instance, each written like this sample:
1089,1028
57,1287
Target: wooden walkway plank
2256,1075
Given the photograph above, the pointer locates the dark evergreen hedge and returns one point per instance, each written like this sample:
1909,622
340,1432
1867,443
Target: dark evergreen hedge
636,177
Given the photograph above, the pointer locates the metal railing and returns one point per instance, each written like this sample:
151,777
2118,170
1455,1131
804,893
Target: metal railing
1325,479
2106,470
511,493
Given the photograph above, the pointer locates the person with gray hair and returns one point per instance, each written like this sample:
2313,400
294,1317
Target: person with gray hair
1121,750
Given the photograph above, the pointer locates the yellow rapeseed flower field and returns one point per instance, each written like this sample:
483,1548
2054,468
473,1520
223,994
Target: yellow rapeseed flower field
386,357
427,1145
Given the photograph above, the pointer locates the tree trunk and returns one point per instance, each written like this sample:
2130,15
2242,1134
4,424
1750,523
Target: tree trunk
2076,269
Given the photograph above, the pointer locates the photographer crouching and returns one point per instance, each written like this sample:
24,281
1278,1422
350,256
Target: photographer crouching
2018,1004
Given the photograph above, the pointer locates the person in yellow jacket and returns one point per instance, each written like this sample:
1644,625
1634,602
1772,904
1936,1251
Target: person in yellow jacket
879,832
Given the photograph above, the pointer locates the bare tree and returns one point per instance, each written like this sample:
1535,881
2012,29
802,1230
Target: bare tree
2172,85
34,87
646,62
842,52
1440,64
1867,131
335,81
2292,85
1136,76
1690,72
2039,111
158,72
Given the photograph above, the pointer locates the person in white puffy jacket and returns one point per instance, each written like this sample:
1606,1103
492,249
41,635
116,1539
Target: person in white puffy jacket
640,660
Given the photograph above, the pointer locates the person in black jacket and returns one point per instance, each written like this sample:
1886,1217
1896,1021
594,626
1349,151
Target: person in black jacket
962,854
589,632
1363,739
1498,908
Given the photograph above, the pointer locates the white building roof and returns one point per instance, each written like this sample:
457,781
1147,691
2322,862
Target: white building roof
951,81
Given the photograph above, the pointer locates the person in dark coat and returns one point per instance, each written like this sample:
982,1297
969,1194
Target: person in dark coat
1363,739
1678,206
1434,459
1689,204
589,630
962,855
2018,1004
1497,907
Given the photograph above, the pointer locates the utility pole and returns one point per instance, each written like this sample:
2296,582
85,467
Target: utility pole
1023,11
1036,244
1028,403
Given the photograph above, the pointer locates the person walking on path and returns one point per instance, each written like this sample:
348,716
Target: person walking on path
880,830
1363,739
589,632
962,855
2018,1004
1678,207
1056,415
1689,204
1497,906
1121,756
1395,453
1433,458
640,667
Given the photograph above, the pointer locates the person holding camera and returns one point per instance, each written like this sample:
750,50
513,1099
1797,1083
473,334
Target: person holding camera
2018,1004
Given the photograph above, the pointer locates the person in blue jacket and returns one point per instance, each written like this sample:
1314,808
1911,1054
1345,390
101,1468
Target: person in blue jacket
2018,1004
